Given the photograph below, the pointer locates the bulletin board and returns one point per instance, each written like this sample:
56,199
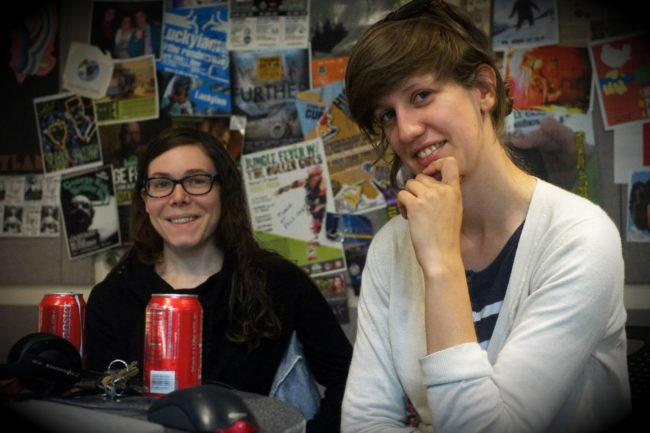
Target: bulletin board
45,260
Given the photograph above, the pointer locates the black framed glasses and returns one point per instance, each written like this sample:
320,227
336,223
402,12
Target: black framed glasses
194,184
413,8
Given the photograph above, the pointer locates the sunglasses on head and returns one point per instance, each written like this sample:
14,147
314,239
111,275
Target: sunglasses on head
415,7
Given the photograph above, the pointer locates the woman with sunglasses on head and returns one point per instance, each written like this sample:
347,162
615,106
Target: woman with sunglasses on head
192,234
495,301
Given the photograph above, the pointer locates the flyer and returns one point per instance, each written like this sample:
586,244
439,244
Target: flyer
638,212
621,69
524,23
289,194
264,88
89,209
132,92
67,133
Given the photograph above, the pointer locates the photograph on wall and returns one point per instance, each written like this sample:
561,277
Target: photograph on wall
550,78
89,210
264,85
289,193
67,131
258,25
228,129
559,148
127,29
524,23
132,92
122,146
335,26
638,212
622,70
196,61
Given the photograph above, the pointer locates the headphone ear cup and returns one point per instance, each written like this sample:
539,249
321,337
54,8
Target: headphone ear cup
44,363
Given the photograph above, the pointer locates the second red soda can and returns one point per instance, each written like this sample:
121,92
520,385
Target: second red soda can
172,343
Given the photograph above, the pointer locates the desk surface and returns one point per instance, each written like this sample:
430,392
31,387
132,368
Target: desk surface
129,414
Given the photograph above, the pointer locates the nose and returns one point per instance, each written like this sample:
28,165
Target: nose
409,125
178,195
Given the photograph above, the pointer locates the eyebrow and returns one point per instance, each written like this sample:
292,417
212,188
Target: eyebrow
189,172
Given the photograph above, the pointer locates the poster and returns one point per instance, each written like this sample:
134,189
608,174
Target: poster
264,88
638,212
550,78
89,209
524,23
67,132
289,194
194,47
29,206
622,71
122,145
132,92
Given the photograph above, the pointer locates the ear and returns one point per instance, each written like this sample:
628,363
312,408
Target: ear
486,82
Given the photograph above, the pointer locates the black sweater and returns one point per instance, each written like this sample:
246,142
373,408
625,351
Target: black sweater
116,318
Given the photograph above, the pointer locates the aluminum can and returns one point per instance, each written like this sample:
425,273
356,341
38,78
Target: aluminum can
64,314
173,343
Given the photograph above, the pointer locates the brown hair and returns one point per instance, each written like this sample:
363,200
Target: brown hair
440,39
251,313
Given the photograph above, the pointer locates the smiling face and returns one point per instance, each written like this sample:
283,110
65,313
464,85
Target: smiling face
424,120
185,222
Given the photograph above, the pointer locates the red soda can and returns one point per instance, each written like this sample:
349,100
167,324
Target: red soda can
64,314
173,343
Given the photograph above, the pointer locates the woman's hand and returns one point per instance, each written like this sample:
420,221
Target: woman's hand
432,203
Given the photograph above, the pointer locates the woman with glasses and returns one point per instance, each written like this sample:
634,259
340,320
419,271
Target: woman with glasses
495,301
191,234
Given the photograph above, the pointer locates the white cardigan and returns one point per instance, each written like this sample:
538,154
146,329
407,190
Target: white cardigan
557,358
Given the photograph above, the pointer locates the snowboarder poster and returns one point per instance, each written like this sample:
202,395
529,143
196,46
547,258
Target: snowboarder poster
289,194
524,23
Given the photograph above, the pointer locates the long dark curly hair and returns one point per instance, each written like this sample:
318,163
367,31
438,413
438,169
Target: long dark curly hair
251,312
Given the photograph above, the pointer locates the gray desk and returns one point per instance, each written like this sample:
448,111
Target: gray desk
94,414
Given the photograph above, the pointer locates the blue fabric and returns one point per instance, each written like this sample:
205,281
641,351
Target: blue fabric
294,383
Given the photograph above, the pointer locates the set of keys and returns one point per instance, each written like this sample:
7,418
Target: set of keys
116,382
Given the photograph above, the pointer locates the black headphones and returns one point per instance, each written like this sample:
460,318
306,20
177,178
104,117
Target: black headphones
44,363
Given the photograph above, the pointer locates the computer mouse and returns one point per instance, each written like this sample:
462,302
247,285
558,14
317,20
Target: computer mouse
203,408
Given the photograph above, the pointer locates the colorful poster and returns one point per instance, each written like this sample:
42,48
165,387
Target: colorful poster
228,129
132,92
360,182
289,193
638,212
264,88
67,132
328,70
89,209
559,148
194,45
550,78
622,78
524,23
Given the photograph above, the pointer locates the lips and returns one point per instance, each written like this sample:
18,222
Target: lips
430,149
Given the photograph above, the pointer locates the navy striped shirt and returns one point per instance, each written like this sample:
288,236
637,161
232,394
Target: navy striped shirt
487,288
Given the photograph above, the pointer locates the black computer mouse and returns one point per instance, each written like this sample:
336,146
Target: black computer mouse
203,408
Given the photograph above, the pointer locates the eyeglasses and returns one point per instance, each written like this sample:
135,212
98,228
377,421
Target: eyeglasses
195,184
414,8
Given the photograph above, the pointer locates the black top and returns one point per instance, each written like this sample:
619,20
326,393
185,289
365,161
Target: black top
116,318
